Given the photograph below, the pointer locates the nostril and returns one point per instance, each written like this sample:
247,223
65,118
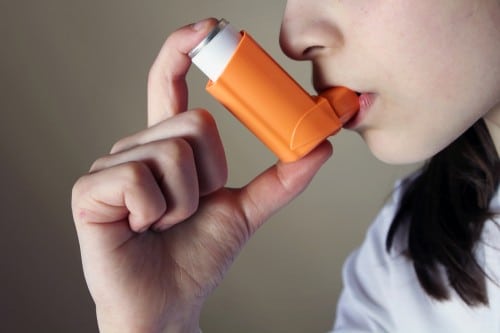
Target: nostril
311,51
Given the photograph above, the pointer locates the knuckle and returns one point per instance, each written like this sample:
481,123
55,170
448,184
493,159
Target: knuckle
173,150
135,172
78,191
152,74
78,188
201,121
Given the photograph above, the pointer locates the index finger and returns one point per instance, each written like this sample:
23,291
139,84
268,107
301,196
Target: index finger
167,89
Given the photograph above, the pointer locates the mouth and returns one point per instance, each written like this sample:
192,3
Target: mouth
366,101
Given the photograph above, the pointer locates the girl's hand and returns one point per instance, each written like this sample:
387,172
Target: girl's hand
157,229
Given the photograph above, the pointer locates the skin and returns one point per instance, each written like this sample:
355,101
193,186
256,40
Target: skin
156,226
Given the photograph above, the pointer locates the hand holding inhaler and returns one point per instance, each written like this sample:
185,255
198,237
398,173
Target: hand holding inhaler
157,226
158,201
248,82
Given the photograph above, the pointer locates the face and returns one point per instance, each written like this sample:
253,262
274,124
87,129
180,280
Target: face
427,69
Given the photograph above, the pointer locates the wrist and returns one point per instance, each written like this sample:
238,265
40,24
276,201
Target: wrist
176,322
182,322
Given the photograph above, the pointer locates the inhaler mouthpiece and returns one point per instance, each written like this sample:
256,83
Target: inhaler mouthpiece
250,84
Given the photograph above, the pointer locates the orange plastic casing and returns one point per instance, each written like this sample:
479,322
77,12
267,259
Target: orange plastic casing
275,107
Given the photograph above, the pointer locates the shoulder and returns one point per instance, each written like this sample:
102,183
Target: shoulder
381,292
376,235
371,275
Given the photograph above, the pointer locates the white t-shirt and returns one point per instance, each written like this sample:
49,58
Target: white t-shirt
382,293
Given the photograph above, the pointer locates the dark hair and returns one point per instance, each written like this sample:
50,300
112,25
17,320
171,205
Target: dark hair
446,206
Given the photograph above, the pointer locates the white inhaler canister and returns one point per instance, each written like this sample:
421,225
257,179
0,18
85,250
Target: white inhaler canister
213,54
270,103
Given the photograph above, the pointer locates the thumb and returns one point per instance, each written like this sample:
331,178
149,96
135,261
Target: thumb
280,184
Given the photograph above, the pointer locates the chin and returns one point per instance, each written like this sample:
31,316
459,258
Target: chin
399,151
401,159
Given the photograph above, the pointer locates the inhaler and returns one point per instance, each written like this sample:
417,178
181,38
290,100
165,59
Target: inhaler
259,93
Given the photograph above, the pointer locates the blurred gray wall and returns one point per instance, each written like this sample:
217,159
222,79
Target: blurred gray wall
72,82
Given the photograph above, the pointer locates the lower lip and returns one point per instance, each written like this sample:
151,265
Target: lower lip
366,101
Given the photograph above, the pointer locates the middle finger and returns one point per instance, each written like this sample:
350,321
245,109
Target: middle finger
199,129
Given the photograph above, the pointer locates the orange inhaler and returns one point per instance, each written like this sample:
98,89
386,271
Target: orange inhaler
269,102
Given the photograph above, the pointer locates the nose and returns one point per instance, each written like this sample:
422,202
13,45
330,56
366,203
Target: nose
308,29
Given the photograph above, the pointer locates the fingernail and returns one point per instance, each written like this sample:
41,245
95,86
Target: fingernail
161,227
143,230
205,24
201,25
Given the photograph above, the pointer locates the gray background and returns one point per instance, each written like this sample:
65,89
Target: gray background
72,82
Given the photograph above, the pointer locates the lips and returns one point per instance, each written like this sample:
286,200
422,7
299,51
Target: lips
366,101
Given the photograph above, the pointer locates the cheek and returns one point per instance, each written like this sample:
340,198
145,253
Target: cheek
424,45
435,66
